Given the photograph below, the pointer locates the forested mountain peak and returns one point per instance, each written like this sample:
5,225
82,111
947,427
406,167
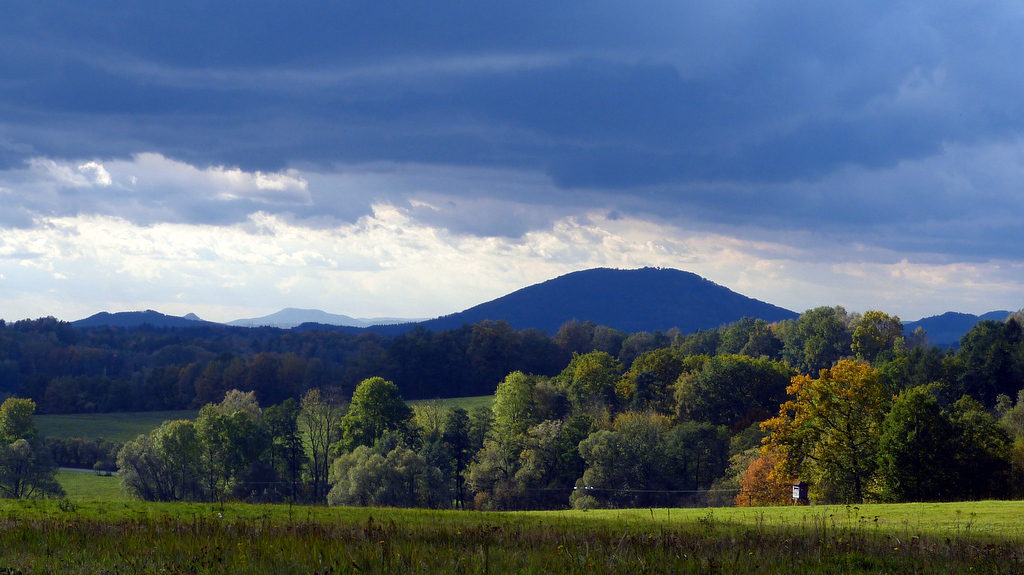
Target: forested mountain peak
945,330
139,318
646,299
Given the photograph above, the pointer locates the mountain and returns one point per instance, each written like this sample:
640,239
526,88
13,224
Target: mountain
945,330
647,299
292,317
140,318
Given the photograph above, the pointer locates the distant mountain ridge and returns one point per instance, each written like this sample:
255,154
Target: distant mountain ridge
140,318
646,299
945,330
291,317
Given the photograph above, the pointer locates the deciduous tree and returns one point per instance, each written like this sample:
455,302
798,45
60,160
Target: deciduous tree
377,406
914,462
26,469
828,432
320,423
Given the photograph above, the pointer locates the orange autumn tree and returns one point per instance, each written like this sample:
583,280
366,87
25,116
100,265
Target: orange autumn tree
828,432
763,484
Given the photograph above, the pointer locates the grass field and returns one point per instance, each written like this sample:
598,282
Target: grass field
131,537
113,426
467,403
125,426
84,485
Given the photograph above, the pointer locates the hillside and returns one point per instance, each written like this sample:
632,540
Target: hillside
140,318
645,299
945,330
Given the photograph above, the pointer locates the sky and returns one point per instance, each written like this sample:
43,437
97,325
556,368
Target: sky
413,159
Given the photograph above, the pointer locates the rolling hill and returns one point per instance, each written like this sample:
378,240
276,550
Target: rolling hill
646,299
140,318
945,330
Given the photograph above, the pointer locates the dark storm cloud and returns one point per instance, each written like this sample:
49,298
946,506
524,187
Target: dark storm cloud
747,113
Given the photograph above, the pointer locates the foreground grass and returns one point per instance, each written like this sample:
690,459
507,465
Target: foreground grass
92,537
113,426
974,518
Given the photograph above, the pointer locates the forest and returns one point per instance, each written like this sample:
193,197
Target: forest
587,418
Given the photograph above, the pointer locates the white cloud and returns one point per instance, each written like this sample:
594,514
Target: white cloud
96,173
152,172
146,188
58,173
390,264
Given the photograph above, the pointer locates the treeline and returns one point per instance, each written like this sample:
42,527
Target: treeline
69,370
637,420
674,427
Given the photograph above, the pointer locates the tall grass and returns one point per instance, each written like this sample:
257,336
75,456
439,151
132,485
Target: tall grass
50,537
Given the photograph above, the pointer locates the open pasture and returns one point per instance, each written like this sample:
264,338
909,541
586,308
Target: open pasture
128,425
467,403
114,426
90,537
87,485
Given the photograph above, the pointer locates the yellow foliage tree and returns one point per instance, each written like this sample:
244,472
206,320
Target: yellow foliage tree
828,433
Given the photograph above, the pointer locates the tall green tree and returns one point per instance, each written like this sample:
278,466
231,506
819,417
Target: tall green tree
650,380
456,437
143,472
233,442
875,332
26,469
514,406
377,406
16,420
287,452
732,390
696,454
914,462
590,380
397,478
817,339
164,465
624,464
550,460
320,423
492,473
982,451
990,361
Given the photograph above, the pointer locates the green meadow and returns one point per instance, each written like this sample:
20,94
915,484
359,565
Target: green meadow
113,426
126,426
88,536
467,403
87,485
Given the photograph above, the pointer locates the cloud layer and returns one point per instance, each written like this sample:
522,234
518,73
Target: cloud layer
875,146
